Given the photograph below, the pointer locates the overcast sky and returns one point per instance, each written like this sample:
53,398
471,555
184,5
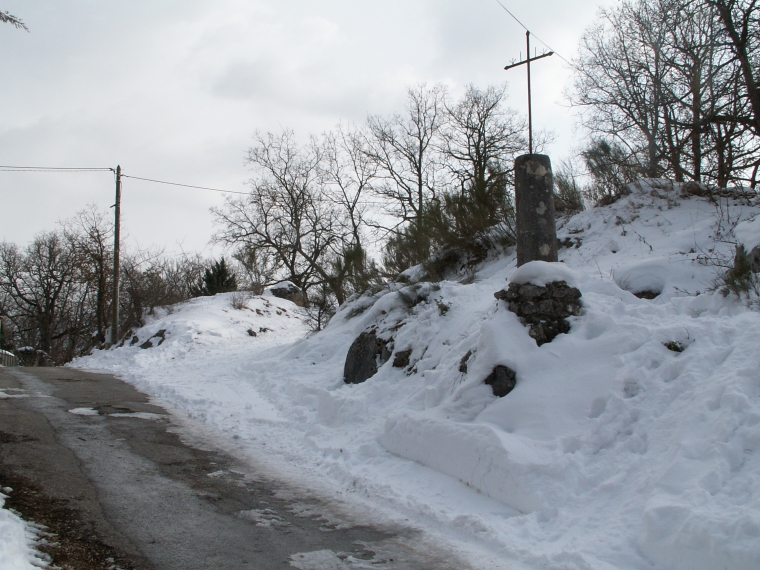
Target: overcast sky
174,89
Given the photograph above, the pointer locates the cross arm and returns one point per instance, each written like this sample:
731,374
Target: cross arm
523,62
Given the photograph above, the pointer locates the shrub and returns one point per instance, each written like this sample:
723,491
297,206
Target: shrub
458,224
568,193
739,279
218,278
239,300
611,169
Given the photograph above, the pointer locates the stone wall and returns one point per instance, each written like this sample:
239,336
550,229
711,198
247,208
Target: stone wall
543,309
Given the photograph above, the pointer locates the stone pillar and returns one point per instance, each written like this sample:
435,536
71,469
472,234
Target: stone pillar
534,199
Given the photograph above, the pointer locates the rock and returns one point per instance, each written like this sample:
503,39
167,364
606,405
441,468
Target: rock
159,335
464,361
543,309
288,291
528,291
501,380
366,355
402,358
252,332
647,294
526,309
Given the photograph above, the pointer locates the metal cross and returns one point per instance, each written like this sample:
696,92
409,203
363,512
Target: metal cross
530,110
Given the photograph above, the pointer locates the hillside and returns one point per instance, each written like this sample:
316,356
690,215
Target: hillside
630,442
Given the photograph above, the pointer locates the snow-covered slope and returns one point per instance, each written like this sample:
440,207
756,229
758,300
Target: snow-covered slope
612,451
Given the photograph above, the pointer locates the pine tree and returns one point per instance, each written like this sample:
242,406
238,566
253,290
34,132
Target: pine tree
218,279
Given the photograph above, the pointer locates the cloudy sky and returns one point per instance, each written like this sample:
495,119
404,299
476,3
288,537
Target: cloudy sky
174,89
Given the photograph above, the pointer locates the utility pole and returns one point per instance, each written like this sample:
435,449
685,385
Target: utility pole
116,232
530,103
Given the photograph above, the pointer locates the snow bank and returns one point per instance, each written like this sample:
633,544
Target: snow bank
631,442
474,454
17,542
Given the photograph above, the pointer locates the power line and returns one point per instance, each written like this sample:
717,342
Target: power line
184,185
531,33
97,169
514,17
73,169
53,169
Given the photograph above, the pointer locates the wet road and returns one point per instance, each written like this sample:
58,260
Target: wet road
96,445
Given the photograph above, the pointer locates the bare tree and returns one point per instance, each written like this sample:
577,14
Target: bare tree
403,148
705,141
258,268
480,140
741,23
655,77
55,293
287,219
90,234
42,296
619,74
150,280
347,173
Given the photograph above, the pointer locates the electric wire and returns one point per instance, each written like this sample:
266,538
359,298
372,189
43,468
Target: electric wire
531,33
74,169
53,169
184,185
4,168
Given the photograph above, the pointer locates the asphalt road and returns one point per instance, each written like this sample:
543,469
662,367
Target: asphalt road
127,482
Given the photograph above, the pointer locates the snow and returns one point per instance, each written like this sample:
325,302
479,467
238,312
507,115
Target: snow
748,234
287,285
329,560
137,415
612,451
17,541
84,412
543,272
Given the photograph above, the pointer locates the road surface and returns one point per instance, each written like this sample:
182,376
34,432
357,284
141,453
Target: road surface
106,471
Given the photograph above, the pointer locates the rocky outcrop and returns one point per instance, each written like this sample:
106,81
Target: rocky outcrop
288,291
366,355
159,337
502,380
543,309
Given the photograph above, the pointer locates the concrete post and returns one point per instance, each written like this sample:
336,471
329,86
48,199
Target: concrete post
536,228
